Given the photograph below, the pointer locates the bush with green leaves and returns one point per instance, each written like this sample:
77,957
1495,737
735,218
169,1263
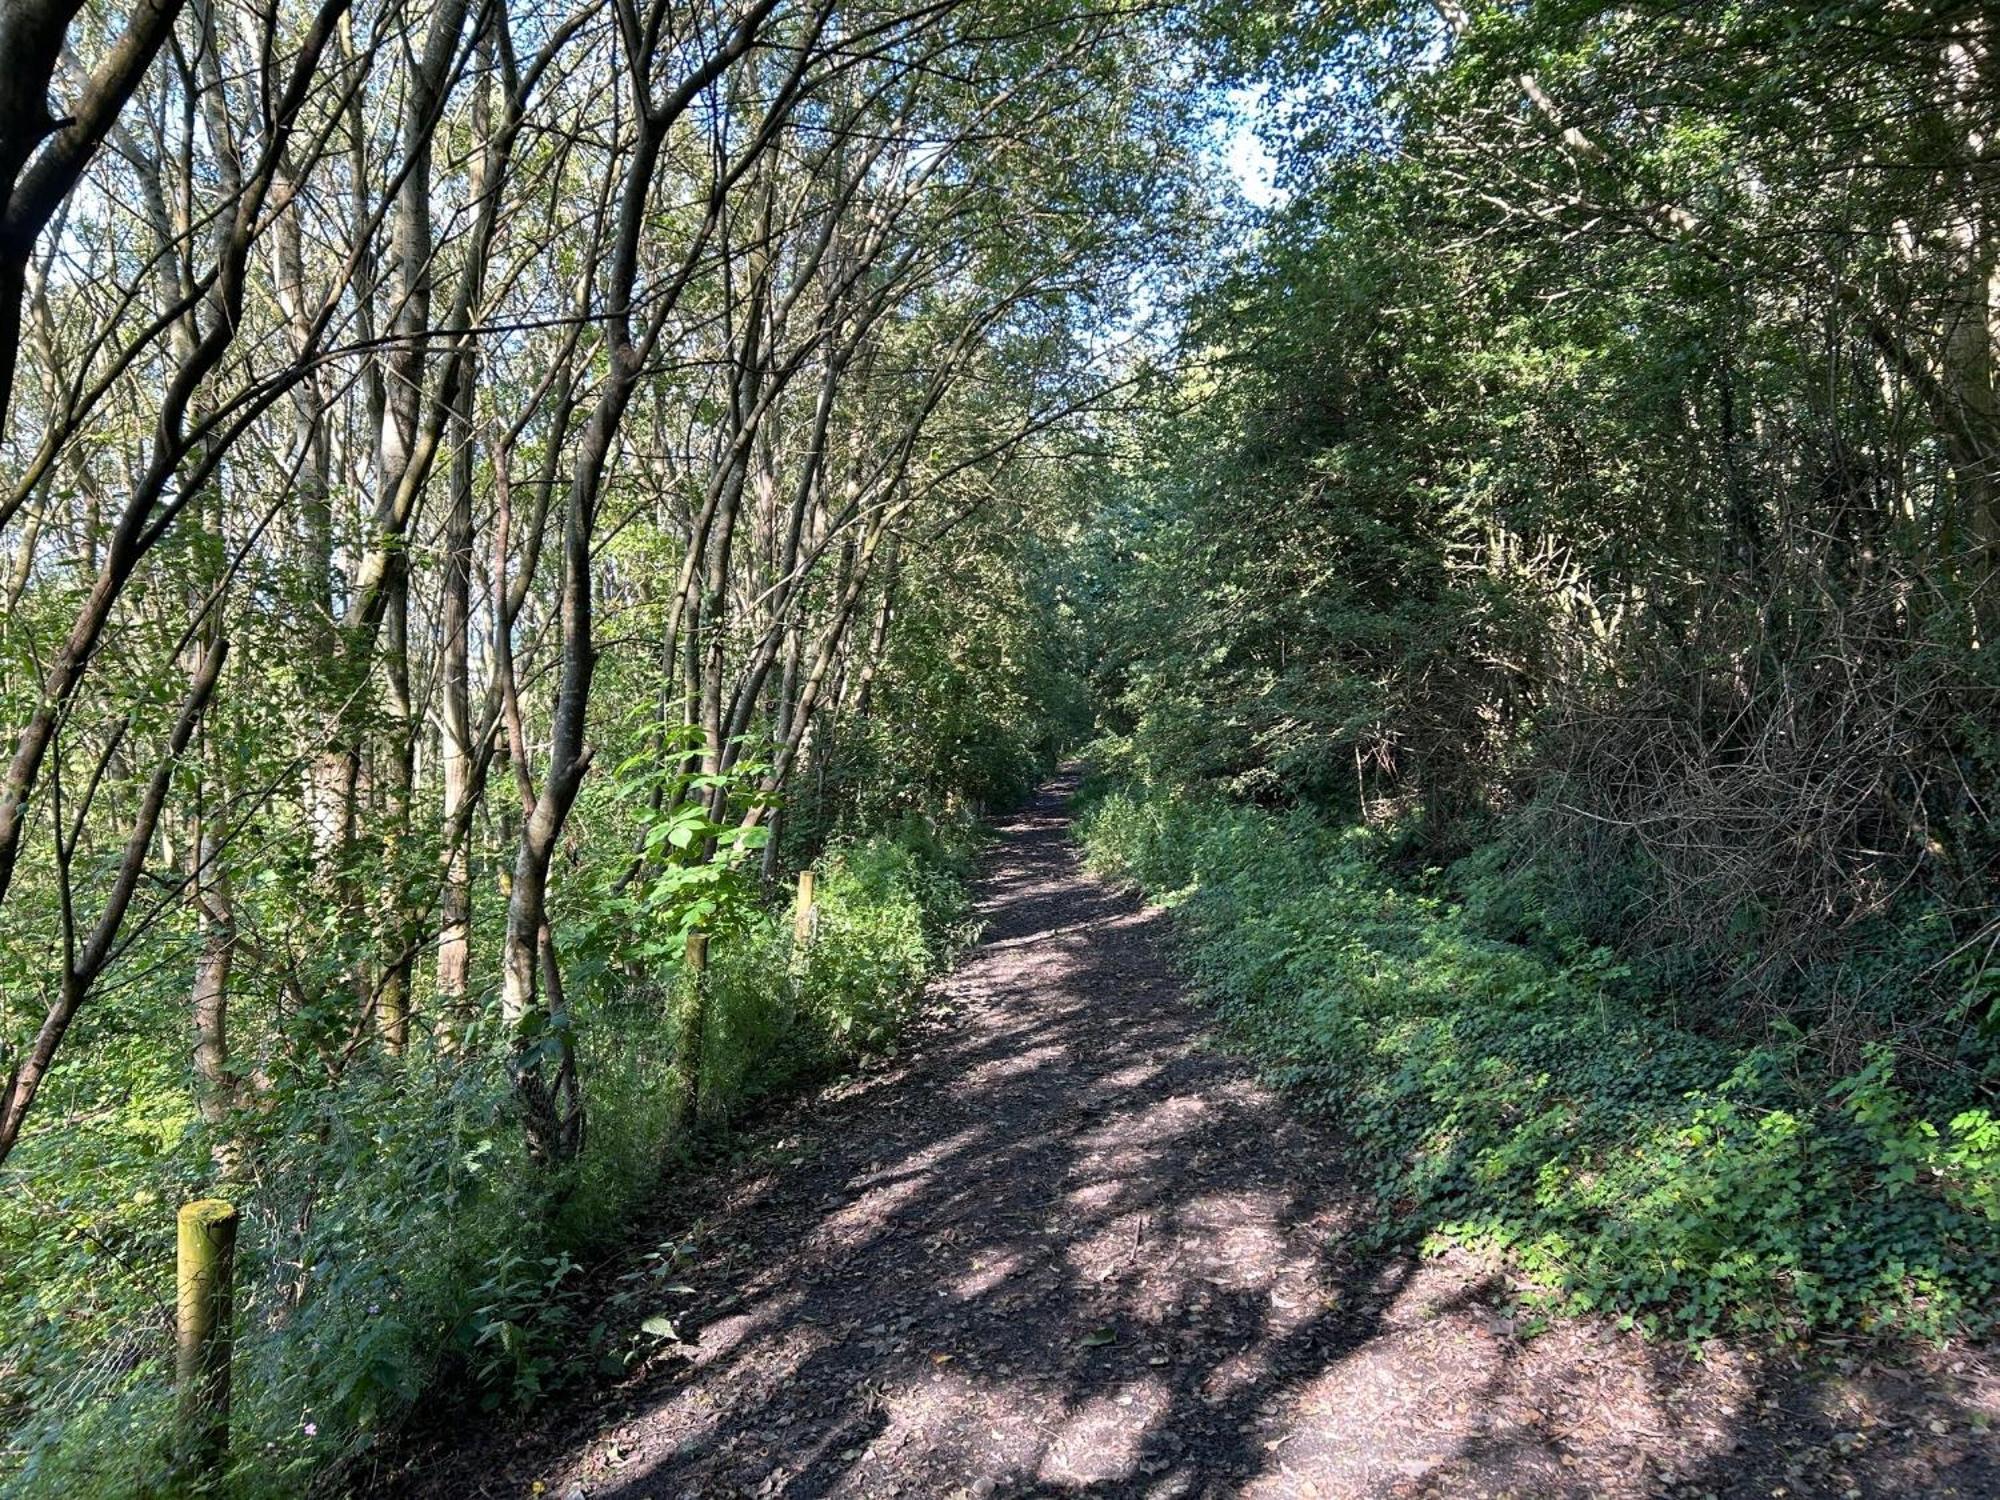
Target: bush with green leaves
890,913
397,1245
1544,1107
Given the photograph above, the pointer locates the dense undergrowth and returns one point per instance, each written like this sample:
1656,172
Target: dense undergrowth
398,1246
1537,1099
1551,632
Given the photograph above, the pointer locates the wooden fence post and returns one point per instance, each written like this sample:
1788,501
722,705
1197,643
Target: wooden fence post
205,1272
803,913
687,1045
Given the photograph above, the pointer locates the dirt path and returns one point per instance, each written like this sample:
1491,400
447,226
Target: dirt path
1065,1249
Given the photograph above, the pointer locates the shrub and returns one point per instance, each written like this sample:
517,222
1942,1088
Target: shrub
397,1244
1540,1104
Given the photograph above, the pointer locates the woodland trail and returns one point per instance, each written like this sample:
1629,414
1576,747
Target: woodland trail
1062,1247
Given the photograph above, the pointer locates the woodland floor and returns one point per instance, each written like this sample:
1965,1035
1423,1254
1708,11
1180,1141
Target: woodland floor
1063,1247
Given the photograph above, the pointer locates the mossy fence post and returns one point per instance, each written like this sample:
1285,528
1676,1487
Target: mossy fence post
205,1274
687,1044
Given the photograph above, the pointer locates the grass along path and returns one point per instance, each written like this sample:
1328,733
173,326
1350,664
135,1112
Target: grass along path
1063,1247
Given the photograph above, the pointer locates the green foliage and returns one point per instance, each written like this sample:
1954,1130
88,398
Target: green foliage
981,690
1549,536
397,1242
665,863
394,955
1540,1105
1589,478
888,917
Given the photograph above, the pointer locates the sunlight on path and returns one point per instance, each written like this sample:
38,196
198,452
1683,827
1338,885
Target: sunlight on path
1066,1249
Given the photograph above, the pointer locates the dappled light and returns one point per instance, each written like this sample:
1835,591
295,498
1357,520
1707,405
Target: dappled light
1069,1248
999,749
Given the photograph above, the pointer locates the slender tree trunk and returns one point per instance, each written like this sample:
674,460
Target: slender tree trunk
395,935
215,1087
454,953
1972,68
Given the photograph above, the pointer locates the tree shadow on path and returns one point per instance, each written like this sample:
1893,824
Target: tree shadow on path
1067,1248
